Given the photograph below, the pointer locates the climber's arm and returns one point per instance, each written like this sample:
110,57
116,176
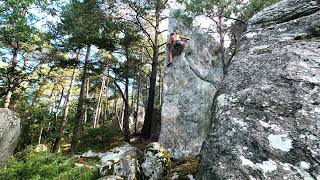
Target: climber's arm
184,37
169,42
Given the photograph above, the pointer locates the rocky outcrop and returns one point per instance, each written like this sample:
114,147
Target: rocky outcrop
267,116
189,87
156,162
119,162
9,133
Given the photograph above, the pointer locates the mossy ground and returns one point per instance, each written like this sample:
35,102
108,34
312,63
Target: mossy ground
183,167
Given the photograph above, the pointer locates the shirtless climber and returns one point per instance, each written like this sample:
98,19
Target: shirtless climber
174,41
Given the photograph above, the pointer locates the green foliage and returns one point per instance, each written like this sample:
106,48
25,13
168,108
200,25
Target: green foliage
254,6
100,139
213,8
183,17
44,165
84,23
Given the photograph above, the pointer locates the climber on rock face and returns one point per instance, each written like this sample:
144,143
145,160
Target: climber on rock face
175,41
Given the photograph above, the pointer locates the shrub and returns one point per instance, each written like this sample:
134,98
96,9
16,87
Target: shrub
100,139
44,165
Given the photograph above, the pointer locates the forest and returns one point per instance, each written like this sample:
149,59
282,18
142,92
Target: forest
88,74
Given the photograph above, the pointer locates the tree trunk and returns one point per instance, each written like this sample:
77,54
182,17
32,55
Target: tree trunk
146,130
57,108
126,100
87,94
14,64
81,109
56,143
99,104
160,88
107,94
221,37
40,135
137,106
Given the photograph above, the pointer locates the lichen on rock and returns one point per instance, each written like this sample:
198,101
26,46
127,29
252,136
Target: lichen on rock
9,133
156,162
266,119
120,161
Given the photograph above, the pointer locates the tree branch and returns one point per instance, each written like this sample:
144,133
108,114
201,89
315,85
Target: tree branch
144,31
148,53
148,22
162,31
162,44
239,20
120,90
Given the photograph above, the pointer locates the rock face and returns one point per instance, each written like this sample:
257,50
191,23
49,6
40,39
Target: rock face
140,119
188,92
9,133
267,116
156,162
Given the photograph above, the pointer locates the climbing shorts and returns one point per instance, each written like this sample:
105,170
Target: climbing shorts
177,43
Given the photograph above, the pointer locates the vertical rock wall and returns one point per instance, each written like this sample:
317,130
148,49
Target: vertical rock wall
267,118
189,88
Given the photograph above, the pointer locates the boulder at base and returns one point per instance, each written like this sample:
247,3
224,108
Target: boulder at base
9,133
189,87
156,162
267,117
120,161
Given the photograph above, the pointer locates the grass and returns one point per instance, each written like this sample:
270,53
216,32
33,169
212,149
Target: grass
29,164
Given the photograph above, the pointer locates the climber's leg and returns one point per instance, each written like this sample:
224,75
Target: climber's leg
171,55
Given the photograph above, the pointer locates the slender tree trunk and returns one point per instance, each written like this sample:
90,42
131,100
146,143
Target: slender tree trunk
40,135
87,94
160,85
221,37
81,109
126,100
56,143
99,104
58,105
126,112
120,115
52,97
107,94
14,64
146,130
137,105
115,100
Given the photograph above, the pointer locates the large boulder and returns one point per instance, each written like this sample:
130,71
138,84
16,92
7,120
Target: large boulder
267,116
189,87
9,133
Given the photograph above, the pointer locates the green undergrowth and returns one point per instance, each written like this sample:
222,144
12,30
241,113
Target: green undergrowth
29,164
100,139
